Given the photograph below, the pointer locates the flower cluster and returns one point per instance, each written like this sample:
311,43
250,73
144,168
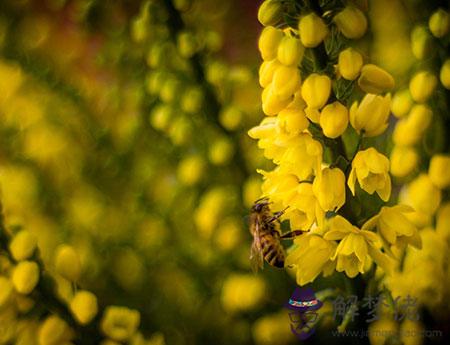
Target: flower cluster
314,88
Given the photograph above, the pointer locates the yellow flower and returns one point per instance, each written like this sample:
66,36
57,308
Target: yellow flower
311,255
312,30
268,42
329,189
54,331
22,245
371,169
401,103
302,156
439,23
67,263
371,114
304,209
352,22
334,119
355,248
374,79
241,292
270,12
350,62
421,42
316,90
120,323
444,75
394,227
291,121
6,291
271,329
404,160
439,171
422,85
84,307
25,277
290,51
285,189
424,196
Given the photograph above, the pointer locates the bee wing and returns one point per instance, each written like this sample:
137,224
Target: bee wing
256,255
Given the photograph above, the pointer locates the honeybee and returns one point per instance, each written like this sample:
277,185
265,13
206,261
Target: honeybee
264,226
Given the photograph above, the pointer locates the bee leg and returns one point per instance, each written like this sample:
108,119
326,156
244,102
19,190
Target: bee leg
277,215
291,234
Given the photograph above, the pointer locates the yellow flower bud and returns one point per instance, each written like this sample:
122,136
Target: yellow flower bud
412,332
54,331
22,245
352,22
409,130
290,51
313,114
67,263
381,330
329,189
419,118
272,104
350,63
231,117
170,90
422,86
268,42
424,195
421,42
312,30
439,23
371,169
371,115
439,171
444,76
334,119
84,307
180,131
192,99
191,169
316,90
374,79
182,5
25,276
187,44
221,151
161,116
443,221
120,323
266,72
401,103
270,12
286,81
404,160
6,290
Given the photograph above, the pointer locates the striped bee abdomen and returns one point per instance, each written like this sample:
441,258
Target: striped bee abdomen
272,250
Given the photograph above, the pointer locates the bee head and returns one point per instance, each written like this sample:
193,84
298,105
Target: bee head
260,205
